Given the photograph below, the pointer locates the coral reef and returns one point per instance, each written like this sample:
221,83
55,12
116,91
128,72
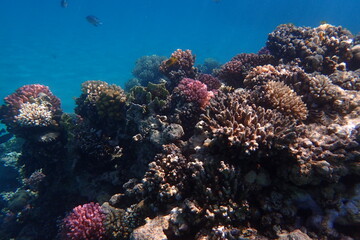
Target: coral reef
231,119
180,65
31,107
324,49
234,71
101,103
212,83
194,91
84,222
147,69
266,147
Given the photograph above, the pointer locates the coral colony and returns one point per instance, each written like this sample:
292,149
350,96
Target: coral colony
265,146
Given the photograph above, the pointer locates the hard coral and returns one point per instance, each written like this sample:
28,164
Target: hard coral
194,91
284,99
31,106
234,71
85,222
249,127
324,153
167,175
324,49
101,103
212,83
180,65
147,69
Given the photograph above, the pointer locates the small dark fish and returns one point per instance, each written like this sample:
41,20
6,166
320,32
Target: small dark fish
64,3
6,137
94,20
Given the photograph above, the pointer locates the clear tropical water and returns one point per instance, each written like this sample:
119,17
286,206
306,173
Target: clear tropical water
43,43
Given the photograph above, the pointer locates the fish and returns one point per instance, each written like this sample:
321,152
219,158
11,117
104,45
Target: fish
6,137
64,3
94,20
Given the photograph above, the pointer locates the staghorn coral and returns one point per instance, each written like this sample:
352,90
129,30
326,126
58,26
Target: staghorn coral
180,65
323,49
194,91
84,222
250,127
234,71
147,69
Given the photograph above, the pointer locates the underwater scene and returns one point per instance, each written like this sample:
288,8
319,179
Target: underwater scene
179,120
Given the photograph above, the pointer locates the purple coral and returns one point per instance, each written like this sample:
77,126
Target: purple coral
212,83
194,91
85,222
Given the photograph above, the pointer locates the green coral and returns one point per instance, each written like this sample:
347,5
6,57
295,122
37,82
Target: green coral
154,96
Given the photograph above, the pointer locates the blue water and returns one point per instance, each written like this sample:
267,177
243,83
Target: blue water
40,42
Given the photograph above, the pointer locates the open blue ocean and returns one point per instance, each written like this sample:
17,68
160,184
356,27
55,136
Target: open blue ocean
41,42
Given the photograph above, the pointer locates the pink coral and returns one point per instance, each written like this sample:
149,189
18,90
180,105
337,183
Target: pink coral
85,222
29,95
194,91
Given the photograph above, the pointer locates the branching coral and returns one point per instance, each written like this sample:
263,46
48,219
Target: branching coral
249,127
84,222
324,49
147,69
212,83
101,103
180,65
283,98
194,91
234,71
31,106
348,80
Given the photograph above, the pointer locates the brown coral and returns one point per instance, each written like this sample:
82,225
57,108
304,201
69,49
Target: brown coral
167,175
234,71
284,99
324,152
250,127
